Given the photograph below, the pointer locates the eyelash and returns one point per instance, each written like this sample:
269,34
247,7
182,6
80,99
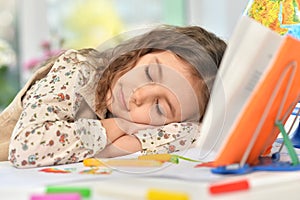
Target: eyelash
159,111
148,74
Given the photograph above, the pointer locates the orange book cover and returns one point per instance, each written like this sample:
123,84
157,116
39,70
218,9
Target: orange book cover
279,86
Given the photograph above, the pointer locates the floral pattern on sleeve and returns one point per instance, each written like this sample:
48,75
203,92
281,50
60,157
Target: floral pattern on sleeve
48,131
169,138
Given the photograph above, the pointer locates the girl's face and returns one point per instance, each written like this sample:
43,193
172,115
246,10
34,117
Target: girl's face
158,90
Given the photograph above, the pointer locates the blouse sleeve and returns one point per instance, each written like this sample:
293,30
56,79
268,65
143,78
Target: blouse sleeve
169,138
48,131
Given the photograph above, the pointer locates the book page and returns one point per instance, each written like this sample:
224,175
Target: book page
273,99
248,55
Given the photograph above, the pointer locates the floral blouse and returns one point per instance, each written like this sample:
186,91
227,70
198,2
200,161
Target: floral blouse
58,124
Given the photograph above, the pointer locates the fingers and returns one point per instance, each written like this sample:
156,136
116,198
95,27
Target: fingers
113,131
131,127
126,144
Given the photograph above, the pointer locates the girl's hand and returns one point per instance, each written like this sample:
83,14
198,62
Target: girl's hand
117,127
131,127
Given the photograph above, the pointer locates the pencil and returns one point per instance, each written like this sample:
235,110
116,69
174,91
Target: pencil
246,184
158,157
94,162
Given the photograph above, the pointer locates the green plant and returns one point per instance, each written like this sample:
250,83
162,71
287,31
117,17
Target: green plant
7,91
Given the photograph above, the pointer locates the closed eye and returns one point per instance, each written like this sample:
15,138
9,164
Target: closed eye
154,74
147,72
158,108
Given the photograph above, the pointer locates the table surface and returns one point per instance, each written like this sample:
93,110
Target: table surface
20,184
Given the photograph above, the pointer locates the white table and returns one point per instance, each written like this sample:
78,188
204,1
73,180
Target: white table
20,184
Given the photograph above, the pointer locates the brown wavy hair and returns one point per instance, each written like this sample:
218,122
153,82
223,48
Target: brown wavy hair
203,50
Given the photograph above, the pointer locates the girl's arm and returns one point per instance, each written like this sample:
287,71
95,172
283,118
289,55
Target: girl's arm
124,145
55,142
121,140
49,131
169,138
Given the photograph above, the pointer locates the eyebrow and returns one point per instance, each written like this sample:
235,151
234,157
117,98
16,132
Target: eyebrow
160,73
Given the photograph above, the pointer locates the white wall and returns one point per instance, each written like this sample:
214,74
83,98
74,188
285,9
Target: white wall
33,30
218,16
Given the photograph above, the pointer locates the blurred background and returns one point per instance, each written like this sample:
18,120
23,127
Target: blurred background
33,30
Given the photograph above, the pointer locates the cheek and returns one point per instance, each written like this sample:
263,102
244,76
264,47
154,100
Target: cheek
108,100
140,117
147,115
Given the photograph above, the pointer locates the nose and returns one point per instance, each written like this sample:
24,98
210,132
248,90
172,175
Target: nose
141,97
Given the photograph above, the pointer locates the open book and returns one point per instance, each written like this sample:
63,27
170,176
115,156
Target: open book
257,84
